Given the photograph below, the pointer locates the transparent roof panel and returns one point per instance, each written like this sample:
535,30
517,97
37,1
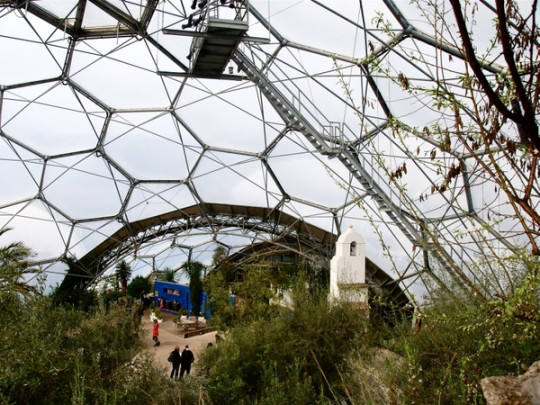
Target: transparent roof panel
68,126
92,187
21,36
25,171
154,131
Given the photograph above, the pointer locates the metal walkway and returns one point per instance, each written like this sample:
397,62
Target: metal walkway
349,157
211,52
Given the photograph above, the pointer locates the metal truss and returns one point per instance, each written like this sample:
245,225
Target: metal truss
144,129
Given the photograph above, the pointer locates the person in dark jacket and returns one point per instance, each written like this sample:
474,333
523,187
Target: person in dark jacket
175,360
186,360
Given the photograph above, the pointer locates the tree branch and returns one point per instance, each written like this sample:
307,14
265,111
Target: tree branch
526,120
470,57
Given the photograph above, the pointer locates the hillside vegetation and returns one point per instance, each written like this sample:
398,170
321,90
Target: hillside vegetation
311,353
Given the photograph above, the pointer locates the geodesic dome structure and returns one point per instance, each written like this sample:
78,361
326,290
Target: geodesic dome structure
154,131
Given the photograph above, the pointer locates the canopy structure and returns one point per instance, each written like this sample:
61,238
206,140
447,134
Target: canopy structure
115,114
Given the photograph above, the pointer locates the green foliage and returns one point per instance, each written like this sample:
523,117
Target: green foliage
464,340
58,355
221,308
290,356
157,312
194,271
123,272
110,298
508,329
166,274
253,294
13,269
78,297
138,285
76,280
221,263
53,354
309,353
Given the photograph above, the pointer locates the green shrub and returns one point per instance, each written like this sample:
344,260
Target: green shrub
464,340
300,351
58,355
311,353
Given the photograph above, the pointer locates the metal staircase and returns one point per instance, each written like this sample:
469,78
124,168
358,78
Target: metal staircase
413,231
346,154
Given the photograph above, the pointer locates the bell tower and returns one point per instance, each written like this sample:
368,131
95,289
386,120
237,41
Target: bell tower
348,270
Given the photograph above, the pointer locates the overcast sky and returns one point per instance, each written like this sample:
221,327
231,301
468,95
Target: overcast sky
116,140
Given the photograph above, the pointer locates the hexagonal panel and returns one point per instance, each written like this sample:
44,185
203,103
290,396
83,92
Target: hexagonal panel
21,173
329,101
151,146
25,39
125,72
68,121
84,186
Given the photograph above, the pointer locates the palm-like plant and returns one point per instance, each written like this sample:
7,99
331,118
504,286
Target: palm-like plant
123,271
14,270
167,275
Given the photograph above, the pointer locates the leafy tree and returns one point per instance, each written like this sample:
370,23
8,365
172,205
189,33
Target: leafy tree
73,288
220,255
194,271
483,135
511,97
111,298
288,356
221,263
253,294
221,308
462,341
58,355
138,285
123,272
167,274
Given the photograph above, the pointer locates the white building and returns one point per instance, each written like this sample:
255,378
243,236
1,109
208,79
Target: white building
348,270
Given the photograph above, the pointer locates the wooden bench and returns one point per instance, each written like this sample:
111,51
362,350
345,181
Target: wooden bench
200,331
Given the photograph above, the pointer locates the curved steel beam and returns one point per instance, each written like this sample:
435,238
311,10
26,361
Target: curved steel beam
279,225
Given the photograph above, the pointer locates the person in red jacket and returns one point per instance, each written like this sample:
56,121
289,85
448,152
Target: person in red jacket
155,332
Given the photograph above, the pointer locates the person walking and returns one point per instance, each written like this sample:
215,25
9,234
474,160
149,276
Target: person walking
145,303
175,359
155,332
185,362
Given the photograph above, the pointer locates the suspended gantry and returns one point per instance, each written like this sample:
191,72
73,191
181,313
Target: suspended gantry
217,28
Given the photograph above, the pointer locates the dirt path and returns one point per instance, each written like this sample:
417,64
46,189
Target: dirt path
170,336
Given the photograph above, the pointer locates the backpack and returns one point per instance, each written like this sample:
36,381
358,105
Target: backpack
171,357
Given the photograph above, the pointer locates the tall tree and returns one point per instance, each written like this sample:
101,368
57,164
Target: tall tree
167,274
222,264
139,285
194,271
510,99
123,272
